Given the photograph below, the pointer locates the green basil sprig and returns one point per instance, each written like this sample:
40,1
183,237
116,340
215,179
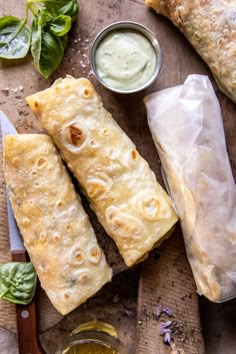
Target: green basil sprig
17,282
47,37
14,38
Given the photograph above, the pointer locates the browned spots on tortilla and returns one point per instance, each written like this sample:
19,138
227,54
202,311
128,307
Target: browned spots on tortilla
66,296
84,277
79,257
95,252
88,93
68,227
56,237
117,223
94,189
36,105
42,236
41,162
76,135
25,222
134,154
105,131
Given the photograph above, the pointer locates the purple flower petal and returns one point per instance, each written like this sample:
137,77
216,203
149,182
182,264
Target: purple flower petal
164,331
163,309
166,324
167,338
167,310
164,327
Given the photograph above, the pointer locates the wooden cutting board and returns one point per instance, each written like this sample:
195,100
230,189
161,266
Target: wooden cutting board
19,79
166,281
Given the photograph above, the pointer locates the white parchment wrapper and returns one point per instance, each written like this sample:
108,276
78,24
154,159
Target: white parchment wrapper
186,125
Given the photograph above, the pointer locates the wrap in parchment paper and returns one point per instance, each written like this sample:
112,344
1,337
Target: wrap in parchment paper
210,26
187,129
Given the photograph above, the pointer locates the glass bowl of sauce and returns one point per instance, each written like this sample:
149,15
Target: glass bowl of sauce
126,57
93,337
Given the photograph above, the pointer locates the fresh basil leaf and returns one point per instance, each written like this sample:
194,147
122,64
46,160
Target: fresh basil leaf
14,38
46,48
44,17
17,282
60,25
48,36
70,9
64,41
62,7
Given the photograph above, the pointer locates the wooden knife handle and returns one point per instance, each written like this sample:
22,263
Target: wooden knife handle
26,320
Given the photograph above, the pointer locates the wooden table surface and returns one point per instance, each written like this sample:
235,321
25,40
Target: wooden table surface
19,79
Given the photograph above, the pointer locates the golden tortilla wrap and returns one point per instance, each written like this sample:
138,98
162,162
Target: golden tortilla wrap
56,230
123,192
210,26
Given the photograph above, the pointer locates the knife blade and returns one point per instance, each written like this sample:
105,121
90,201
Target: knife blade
25,314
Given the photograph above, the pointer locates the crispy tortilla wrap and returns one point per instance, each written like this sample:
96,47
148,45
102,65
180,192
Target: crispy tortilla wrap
56,230
123,191
210,26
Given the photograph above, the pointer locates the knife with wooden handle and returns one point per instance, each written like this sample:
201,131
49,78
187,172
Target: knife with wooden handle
25,314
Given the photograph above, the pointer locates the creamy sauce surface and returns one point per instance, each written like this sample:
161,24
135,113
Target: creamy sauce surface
125,60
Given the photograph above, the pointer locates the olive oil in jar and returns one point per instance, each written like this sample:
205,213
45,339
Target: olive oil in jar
93,337
90,348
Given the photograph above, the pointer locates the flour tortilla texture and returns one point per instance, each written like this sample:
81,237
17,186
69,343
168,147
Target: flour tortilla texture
56,230
210,26
119,184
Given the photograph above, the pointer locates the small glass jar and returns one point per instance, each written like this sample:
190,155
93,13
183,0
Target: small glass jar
93,337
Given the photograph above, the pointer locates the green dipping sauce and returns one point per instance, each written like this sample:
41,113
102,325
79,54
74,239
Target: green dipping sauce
125,60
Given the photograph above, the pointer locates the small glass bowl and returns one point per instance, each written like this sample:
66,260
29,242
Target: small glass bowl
92,333
136,27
